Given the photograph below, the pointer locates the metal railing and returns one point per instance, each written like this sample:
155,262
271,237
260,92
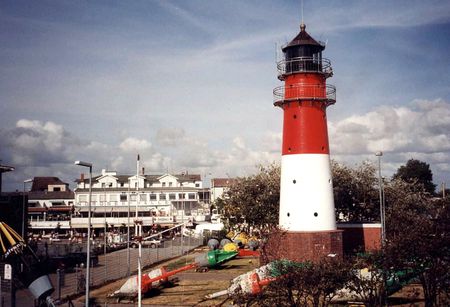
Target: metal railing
304,64
325,93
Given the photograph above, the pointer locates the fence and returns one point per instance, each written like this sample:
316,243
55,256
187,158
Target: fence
119,264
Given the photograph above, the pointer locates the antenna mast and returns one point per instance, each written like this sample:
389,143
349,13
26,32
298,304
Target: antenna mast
301,2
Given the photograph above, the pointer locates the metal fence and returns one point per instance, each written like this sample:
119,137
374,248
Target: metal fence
119,264
111,266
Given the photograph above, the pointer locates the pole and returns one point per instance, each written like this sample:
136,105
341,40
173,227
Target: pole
24,207
104,236
128,231
23,212
139,233
88,251
379,154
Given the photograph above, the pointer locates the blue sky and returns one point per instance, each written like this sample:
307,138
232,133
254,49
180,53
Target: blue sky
188,84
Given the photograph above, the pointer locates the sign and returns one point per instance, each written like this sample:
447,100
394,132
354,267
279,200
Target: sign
8,272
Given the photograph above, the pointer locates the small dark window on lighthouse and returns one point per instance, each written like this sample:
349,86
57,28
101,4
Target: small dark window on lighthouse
294,181
316,214
288,214
295,116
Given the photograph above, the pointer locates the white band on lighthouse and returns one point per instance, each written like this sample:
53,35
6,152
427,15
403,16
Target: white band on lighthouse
306,200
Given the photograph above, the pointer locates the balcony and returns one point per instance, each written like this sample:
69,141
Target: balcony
299,92
304,65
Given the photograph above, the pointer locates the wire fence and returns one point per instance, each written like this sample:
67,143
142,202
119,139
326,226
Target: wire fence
117,264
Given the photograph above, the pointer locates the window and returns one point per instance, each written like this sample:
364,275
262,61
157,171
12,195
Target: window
197,185
162,196
163,184
123,197
143,197
172,196
113,197
82,198
133,197
56,189
191,195
181,195
153,196
103,185
170,184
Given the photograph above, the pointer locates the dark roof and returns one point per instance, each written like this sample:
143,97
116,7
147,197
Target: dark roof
303,38
222,182
36,195
42,183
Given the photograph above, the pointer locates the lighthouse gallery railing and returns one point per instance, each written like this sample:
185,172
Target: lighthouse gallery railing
304,64
326,93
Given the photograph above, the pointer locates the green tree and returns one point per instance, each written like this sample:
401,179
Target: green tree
355,192
306,284
418,237
254,201
417,171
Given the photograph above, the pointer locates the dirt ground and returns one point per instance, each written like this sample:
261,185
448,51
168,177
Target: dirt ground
186,288
189,288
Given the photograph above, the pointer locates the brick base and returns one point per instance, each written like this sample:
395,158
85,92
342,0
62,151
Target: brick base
304,246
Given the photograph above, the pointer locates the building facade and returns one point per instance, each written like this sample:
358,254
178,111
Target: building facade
117,200
50,205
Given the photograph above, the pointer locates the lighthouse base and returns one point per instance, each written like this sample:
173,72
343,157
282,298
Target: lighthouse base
302,246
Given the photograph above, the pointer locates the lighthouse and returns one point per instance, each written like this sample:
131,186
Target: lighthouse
307,212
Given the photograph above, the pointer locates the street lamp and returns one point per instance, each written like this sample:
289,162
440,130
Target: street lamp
24,216
88,247
379,154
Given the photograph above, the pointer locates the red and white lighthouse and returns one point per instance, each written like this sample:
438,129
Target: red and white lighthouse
306,202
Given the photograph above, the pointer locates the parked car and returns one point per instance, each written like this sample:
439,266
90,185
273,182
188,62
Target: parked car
151,242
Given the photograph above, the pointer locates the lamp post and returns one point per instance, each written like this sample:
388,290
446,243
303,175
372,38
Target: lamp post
24,216
88,247
379,154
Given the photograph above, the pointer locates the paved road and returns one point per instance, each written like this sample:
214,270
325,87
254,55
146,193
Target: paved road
112,266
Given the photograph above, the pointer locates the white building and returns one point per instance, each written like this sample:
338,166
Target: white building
50,205
155,199
219,186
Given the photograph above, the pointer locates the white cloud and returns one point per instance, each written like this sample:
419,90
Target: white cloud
420,130
135,145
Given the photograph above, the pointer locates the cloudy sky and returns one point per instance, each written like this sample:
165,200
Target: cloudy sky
188,84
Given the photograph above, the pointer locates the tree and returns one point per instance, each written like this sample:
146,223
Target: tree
355,192
254,201
417,171
418,237
302,284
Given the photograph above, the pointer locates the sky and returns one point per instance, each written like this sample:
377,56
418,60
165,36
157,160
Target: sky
188,84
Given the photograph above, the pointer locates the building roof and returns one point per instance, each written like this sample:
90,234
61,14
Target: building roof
148,178
37,195
222,182
42,183
303,38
